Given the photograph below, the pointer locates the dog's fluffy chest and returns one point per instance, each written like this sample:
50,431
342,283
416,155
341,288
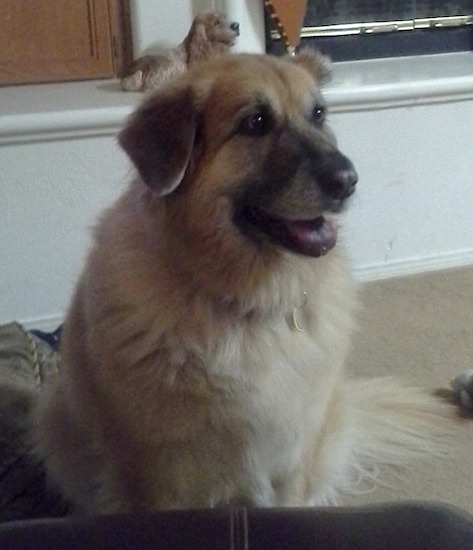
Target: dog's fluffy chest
277,400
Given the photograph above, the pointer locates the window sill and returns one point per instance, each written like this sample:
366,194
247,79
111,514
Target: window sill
44,112
394,82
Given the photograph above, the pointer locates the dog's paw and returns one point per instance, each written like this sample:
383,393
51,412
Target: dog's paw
462,386
133,82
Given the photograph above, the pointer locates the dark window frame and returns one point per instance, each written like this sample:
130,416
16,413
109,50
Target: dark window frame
421,41
393,44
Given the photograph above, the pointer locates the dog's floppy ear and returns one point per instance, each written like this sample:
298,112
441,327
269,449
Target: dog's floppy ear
159,137
317,64
198,36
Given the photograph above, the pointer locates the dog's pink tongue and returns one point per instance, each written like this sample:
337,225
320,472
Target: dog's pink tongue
314,237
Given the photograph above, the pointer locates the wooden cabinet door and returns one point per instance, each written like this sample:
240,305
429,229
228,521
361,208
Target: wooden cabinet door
55,40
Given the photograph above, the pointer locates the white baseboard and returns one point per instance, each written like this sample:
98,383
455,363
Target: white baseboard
412,266
366,273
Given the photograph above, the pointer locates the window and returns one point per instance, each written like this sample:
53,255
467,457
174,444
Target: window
56,40
360,29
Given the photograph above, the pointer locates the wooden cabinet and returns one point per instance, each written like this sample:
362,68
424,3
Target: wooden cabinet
57,40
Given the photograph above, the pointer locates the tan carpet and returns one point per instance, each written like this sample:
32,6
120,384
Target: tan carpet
421,328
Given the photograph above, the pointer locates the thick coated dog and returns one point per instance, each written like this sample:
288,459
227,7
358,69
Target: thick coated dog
204,348
208,36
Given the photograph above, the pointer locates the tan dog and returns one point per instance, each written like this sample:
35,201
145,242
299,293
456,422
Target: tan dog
204,348
209,35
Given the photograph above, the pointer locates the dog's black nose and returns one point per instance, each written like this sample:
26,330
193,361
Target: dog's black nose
235,28
339,184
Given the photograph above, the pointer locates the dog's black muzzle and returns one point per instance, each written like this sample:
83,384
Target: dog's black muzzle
337,180
340,182
315,158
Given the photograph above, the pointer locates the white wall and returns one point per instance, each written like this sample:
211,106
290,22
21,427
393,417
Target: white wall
50,196
169,22
413,208
411,211
163,20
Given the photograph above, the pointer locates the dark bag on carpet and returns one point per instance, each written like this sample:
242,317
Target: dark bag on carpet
26,361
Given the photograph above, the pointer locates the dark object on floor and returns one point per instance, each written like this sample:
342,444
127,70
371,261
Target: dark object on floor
25,362
411,526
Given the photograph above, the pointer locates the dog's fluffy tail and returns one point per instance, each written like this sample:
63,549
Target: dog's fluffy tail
395,425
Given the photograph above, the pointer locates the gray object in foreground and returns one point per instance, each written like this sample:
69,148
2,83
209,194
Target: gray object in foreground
406,526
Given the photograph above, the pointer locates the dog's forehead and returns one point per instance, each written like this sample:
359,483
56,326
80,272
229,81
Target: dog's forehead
250,80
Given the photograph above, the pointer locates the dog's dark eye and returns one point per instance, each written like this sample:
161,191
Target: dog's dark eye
256,124
318,114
